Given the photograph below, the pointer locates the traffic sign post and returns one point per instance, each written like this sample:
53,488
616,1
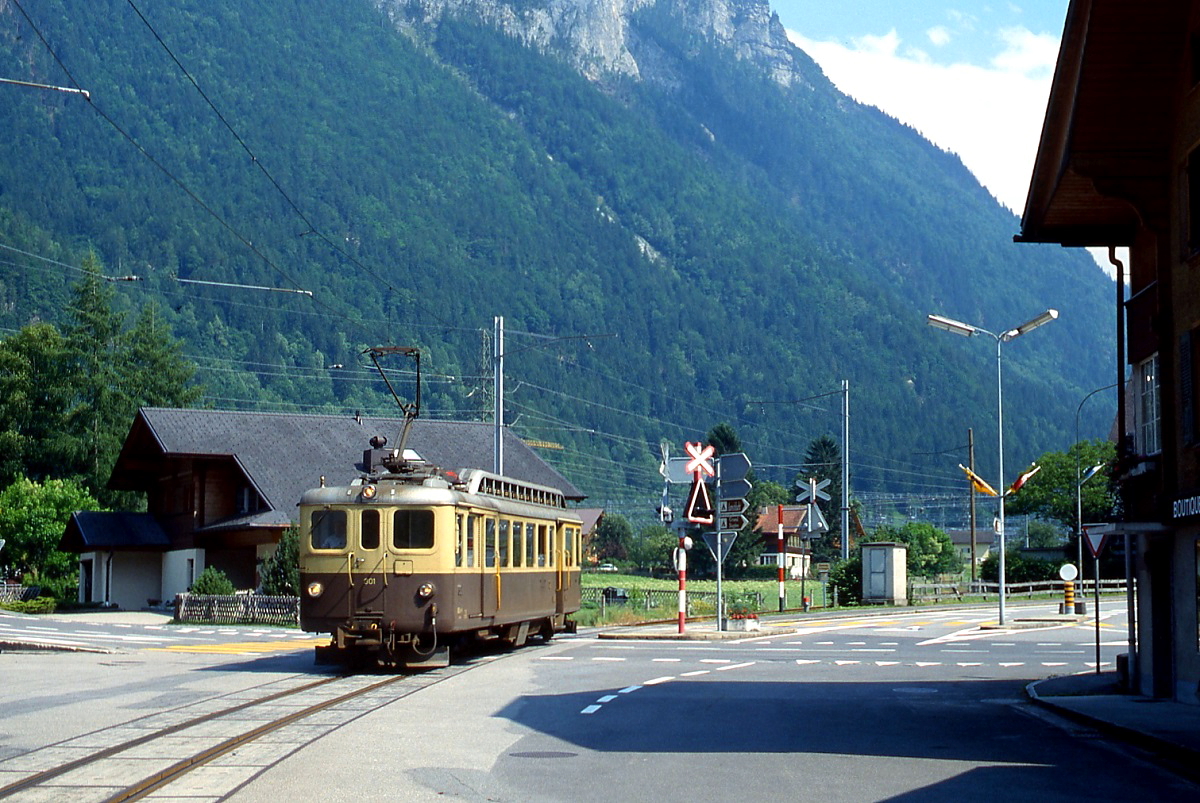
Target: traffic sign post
732,488
1096,542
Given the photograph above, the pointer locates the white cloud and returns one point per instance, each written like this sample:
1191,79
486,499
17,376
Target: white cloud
1027,53
939,35
990,116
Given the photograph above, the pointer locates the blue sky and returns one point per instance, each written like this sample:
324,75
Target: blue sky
973,77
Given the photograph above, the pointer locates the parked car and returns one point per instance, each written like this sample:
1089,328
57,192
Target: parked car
606,567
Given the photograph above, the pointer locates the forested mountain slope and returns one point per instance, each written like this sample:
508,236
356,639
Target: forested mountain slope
685,181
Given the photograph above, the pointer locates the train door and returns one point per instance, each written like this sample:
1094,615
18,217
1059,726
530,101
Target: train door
369,561
490,576
562,555
468,562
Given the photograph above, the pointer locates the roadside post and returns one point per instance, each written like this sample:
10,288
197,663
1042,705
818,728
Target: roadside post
1096,542
699,510
1068,573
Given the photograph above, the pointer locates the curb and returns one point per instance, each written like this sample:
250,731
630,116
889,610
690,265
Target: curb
1182,761
33,646
700,635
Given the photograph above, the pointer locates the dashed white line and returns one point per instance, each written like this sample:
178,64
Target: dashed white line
694,673
656,681
591,709
736,666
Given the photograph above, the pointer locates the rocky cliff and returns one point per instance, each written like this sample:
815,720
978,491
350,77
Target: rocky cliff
601,38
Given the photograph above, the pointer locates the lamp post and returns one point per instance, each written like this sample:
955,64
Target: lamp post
1080,479
967,330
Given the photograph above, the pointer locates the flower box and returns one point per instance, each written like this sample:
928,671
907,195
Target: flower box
741,625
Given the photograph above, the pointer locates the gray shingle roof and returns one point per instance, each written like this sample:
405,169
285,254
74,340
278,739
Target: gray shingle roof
87,531
285,454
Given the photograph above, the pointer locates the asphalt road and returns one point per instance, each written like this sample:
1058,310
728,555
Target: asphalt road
911,705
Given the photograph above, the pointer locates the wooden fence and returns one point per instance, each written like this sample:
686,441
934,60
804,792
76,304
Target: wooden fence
237,609
948,592
651,598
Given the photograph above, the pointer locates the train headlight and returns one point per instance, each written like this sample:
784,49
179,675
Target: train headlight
426,590
368,492
315,589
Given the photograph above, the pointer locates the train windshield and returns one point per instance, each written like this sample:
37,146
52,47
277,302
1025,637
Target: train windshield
412,529
328,529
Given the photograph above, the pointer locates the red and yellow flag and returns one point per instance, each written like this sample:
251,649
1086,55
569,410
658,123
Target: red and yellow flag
977,482
1024,478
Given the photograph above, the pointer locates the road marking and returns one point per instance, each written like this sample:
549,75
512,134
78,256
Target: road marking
629,689
847,663
736,666
1007,664
1054,663
608,698
666,660
591,709
804,661
969,663
887,663
556,657
872,649
923,664
656,681
694,673
242,648
716,661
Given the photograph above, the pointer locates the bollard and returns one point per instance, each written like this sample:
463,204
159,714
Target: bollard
1068,605
806,602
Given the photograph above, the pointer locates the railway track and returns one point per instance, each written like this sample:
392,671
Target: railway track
214,745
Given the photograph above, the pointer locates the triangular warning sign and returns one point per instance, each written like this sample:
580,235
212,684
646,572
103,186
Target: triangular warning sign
1095,541
814,520
699,509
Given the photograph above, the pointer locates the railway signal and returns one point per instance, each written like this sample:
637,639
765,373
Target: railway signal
701,461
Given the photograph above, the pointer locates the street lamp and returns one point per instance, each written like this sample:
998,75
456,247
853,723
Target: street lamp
967,330
1080,481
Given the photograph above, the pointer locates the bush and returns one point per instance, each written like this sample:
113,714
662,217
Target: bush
36,605
281,571
846,578
212,582
1017,568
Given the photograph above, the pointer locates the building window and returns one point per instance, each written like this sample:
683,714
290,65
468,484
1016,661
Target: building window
1148,412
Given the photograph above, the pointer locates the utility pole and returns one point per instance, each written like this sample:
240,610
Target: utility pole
971,463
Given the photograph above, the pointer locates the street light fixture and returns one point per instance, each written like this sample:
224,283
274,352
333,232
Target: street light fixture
968,330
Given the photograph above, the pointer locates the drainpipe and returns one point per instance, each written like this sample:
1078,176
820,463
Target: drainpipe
1130,599
108,580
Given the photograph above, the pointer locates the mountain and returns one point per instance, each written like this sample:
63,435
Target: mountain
670,178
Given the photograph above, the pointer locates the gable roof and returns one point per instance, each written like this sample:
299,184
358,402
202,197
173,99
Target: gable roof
87,531
285,454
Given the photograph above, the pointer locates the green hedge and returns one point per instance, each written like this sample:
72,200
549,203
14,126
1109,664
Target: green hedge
35,605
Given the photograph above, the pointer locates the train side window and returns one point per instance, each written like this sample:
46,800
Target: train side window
502,546
412,529
472,528
328,529
530,540
518,544
569,548
459,536
541,545
368,529
489,544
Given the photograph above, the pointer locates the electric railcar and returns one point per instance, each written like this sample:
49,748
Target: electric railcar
408,560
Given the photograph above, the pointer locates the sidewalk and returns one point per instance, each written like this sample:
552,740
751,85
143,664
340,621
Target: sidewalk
1166,728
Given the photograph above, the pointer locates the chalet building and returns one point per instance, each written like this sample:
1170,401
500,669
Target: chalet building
766,526
1118,166
222,486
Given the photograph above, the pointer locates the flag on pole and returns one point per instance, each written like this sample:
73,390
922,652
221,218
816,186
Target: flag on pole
977,482
1021,480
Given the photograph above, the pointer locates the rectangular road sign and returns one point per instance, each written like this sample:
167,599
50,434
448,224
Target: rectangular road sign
734,466
730,506
734,489
734,521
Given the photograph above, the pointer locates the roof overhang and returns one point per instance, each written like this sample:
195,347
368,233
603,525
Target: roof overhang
1103,160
